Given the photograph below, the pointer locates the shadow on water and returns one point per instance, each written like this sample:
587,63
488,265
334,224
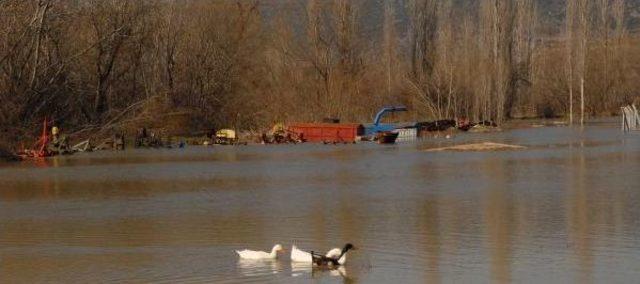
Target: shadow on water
563,210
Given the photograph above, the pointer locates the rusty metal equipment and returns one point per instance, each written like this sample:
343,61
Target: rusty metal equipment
328,132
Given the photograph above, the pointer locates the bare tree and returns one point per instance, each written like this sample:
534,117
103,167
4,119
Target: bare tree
390,44
95,65
582,11
569,42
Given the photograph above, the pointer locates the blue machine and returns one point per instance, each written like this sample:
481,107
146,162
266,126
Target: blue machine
372,129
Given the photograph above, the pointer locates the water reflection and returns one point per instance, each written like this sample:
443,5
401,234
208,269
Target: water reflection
578,216
498,213
339,273
258,267
305,269
299,269
431,229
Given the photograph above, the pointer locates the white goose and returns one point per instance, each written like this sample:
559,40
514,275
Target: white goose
252,254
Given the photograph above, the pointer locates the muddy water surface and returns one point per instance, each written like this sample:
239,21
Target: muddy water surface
566,209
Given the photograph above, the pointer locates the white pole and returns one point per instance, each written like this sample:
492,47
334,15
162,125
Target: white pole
636,117
582,102
628,116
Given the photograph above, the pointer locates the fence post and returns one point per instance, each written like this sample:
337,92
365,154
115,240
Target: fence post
629,118
623,124
637,117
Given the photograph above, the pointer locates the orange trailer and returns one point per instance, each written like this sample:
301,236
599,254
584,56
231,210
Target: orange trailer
328,132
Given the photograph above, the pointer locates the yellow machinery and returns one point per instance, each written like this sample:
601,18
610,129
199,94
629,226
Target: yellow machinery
278,128
226,137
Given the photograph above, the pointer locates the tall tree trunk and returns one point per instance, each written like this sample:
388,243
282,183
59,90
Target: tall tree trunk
582,101
43,7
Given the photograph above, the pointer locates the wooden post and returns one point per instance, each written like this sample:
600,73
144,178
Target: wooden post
623,118
636,116
627,118
627,126
571,104
582,102
630,120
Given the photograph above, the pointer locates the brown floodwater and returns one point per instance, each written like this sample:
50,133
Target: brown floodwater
566,209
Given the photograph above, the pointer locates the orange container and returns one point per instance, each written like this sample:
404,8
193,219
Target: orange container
328,132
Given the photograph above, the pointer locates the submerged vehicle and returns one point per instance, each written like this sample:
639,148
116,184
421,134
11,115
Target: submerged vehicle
49,144
377,126
226,137
387,133
386,137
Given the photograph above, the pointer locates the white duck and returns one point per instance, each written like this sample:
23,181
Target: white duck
252,254
298,255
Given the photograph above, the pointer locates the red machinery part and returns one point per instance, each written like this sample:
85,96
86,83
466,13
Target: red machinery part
328,132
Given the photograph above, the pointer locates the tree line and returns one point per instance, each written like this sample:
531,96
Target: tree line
187,65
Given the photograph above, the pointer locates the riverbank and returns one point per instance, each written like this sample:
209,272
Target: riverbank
253,137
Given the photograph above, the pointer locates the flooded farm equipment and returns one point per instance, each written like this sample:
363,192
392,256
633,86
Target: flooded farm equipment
386,137
226,137
48,144
144,139
280,134
378,126
328,133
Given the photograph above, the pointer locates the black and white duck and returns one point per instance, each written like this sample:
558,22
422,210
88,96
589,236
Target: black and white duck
334,257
